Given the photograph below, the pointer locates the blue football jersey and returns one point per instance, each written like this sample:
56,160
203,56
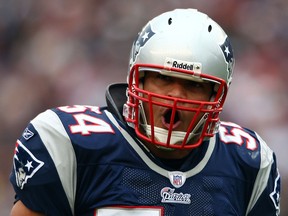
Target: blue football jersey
83,161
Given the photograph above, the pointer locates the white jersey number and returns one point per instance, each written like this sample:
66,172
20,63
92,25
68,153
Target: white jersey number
130,211
87,124
237,135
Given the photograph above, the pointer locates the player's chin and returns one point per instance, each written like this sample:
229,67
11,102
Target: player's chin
173,147
164,148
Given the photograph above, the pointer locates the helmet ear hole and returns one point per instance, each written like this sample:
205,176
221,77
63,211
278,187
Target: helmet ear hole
209,28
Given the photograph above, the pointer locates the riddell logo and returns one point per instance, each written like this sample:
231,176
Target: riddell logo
183,65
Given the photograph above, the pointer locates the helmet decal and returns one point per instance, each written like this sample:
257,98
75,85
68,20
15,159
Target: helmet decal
228,55
141,40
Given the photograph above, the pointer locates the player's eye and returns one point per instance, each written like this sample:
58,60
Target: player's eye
195,84
164,78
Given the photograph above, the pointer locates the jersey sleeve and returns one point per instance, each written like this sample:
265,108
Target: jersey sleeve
258,165
265,199
43,174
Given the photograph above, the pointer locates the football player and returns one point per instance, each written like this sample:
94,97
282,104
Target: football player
158,147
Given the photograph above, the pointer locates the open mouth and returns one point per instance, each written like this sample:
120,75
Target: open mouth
167,119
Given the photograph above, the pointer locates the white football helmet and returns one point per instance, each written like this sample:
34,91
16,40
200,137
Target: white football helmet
182,43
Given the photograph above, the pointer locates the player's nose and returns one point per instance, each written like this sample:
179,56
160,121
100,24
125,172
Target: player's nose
177,89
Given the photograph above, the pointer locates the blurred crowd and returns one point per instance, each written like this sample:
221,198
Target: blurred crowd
61,52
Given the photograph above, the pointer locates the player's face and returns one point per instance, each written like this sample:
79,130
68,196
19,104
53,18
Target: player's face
177,88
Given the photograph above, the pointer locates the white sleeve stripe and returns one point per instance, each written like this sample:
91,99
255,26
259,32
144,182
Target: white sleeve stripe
59,146
263,175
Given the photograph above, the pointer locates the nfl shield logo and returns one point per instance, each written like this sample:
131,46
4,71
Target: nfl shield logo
177,179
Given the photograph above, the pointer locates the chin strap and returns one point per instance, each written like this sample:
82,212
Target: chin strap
161,134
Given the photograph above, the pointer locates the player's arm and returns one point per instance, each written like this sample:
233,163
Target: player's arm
268,201
265,196
42,177
19,209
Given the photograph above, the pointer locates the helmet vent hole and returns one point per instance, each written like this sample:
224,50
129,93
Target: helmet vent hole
209,28
170,21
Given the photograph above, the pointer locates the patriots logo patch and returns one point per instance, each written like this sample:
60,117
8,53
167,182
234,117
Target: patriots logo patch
275,195
141,40
25,164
